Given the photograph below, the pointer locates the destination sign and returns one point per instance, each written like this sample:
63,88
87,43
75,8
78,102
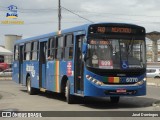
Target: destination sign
121,30
102,29
100,42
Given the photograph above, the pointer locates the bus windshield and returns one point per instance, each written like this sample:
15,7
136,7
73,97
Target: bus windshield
115,54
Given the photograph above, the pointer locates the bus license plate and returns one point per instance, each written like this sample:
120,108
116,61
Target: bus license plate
121,91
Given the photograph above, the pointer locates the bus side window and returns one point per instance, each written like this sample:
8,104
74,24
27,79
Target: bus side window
27,51
59,48
16,52
48,56
68,50
34,51
51,49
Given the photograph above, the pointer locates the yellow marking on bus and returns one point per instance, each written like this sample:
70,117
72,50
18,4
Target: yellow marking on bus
116,79
57,76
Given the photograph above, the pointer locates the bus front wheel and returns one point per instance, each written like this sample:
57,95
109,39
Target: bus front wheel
30,90
69,97
114,99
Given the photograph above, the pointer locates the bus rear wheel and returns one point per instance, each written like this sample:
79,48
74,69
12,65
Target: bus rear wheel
69,97
114,99
30,90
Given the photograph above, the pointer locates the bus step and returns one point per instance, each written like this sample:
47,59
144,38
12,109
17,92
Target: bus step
42,89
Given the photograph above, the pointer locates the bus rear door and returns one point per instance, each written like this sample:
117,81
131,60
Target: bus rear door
21,57
42,64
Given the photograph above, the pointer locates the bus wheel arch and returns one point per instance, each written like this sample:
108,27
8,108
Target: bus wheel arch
63,84
28,75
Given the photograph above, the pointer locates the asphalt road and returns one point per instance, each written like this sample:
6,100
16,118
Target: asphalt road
14,97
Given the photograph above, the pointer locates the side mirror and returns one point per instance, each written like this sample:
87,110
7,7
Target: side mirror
84,48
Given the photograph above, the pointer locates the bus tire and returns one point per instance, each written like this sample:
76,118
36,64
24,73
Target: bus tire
69,97
114,99
30,90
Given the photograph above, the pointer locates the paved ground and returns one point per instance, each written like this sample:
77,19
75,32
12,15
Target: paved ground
15,98
152,81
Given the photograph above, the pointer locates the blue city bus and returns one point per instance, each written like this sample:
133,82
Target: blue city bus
92,60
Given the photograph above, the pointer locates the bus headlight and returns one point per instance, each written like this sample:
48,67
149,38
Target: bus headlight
93,80
141,82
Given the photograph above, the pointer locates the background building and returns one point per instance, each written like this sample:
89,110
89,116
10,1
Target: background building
6,51
153,46
9,41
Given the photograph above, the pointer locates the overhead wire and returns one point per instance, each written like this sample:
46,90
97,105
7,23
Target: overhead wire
77,14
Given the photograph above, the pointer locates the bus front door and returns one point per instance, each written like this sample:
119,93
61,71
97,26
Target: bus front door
78,65
42,65
21,49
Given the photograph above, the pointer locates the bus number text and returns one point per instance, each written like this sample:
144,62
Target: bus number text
132,80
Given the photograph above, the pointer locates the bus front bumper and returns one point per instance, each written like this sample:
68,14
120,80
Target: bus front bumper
114,90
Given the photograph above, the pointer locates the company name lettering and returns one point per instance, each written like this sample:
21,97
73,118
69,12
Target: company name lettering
12,22
11,15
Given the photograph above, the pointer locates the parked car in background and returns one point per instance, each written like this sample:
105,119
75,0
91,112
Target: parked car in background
3,66
6,73
153,72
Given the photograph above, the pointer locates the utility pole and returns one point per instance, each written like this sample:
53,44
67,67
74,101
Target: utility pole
59,16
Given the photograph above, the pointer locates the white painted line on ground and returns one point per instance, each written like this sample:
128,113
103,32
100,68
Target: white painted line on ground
154,84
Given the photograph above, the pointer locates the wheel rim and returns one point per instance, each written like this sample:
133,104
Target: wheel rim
28,86
66,91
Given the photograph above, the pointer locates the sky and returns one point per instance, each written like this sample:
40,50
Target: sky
41,16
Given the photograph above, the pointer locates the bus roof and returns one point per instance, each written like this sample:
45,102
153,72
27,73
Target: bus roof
73,29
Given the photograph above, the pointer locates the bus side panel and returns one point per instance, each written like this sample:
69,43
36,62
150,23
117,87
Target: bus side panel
15,74
50,76
66,69
53,76
31,68
54,73
24,73
43,76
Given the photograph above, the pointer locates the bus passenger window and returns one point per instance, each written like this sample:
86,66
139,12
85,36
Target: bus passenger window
34,50
48,56
59,48
52,49
68,50
16,52
27,51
